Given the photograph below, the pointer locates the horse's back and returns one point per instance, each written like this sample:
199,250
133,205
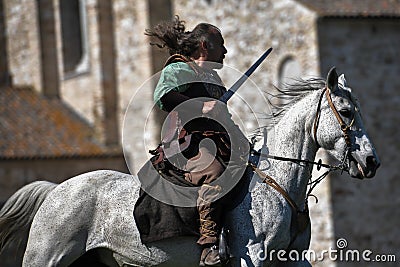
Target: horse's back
88,211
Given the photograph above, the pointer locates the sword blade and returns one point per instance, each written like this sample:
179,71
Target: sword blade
228,94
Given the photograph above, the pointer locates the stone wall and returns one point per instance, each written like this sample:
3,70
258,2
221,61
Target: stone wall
4,71
134,67
16,173
366,212
83,90
23,42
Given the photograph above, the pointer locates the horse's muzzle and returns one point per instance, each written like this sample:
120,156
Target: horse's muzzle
363,167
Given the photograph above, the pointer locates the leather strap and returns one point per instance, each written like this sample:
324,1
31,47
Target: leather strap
345,128
271,182
176,58
317,116
180,58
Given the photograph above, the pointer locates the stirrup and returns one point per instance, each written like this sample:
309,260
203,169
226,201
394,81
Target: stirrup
224,250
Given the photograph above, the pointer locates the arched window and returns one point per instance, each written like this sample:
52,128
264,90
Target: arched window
288,71
74,37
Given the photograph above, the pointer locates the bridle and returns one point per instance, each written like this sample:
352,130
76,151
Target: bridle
343,166
343,126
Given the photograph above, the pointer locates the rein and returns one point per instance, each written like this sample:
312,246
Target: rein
319,164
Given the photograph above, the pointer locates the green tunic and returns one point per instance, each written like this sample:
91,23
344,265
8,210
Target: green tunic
176,76
180,76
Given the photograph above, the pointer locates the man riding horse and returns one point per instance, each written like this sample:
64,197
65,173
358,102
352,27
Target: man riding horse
189,89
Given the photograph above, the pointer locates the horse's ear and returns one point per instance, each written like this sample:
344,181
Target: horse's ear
342,81
332,79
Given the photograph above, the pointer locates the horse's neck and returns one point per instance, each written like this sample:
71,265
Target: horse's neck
292,139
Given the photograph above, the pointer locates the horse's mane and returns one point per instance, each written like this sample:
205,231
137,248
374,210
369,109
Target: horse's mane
287,95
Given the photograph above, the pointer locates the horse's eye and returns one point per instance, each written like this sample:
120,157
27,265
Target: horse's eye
345,112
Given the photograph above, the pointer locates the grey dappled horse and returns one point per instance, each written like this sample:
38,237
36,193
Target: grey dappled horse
88,220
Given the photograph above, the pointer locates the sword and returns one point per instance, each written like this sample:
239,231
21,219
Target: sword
228,94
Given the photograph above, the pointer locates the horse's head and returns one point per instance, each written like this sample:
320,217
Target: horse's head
339,128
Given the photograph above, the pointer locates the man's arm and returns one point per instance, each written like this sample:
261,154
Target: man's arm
173,98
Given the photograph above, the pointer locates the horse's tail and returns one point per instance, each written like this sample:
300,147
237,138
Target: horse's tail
18,212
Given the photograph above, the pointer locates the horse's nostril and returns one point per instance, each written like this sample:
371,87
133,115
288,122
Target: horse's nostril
373,163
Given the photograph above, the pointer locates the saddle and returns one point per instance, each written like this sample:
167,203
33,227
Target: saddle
157,220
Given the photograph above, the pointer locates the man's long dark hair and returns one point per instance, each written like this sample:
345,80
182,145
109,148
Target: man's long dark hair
173,36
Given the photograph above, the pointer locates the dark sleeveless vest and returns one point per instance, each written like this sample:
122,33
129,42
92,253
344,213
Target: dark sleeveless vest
207,85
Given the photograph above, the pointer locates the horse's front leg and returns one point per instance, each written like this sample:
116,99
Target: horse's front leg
302,263
296,254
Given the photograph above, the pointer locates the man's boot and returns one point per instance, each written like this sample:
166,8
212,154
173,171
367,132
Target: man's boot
210,256
209,216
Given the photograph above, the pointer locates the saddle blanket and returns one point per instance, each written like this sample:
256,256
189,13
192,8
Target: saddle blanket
157,220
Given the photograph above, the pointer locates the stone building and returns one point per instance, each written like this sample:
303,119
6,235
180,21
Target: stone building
88,58
58,113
